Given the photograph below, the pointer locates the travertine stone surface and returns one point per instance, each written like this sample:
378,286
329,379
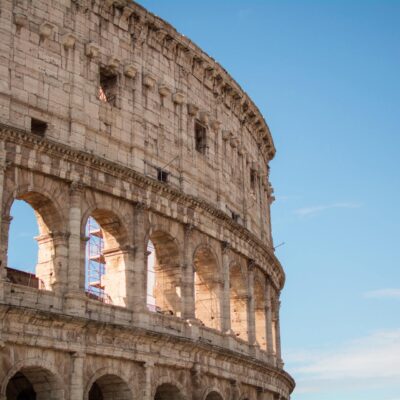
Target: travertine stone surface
97,97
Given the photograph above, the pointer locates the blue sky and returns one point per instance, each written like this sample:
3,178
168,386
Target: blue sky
325,74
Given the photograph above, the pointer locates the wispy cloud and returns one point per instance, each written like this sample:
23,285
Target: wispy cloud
313,210
371,361
387,293
285,197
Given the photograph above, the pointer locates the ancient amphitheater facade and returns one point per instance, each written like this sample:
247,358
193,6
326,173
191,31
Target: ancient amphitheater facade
107,113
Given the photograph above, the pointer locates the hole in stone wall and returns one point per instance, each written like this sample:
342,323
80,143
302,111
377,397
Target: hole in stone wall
162,175
253,179
200,133
108,86
38,127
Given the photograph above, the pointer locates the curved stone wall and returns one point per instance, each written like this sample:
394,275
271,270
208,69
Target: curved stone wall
107,112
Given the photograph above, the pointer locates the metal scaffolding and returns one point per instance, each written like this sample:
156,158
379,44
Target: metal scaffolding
95,262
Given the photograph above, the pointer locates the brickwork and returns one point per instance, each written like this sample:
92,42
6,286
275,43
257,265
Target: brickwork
107,112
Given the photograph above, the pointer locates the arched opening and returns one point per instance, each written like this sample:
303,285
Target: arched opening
260,320
34,383
163,275
109,387
36,247
238,302
214,396
207,288
106,258
168,391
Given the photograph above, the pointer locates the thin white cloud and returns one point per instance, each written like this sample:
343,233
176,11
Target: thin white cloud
310,211
371,361
285,197
387,293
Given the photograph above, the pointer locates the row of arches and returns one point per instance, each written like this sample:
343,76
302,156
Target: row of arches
108,254
39,383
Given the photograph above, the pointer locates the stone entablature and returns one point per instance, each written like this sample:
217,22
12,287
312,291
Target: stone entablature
135,187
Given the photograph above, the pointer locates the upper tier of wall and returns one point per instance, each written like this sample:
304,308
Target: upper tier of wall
55,58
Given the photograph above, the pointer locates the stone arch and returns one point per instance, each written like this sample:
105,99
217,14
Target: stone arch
167,388
51,267
212,394
238,297
112,258
259,309
35,377
208,286
164,274
108,384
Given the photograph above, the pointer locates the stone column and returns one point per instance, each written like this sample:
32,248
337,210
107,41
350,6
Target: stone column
3,226
3,234
77,384
268,320
251,323
148,377
278,333
139,276
188,306
226,301
235,390
51,269
271,199
75,274
197,389
60,242
262,207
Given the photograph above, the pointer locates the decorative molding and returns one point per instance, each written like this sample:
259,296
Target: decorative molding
92,50
68,40
59,150
46,29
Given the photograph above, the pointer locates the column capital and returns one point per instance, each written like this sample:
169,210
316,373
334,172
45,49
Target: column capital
76,187
148,364
251,265
140,206
78,354
226,246
4,164
188,228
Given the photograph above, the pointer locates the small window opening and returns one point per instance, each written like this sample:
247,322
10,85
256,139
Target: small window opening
200,137
108,86
38,127
235,216
162,175
253,179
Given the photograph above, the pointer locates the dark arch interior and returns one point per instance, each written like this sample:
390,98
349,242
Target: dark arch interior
168,392
20,388
109,387
34,383
95,392
214,396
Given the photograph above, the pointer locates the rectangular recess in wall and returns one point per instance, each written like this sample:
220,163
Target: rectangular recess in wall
38,127
162,175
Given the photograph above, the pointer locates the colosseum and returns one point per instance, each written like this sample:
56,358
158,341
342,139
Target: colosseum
146,166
